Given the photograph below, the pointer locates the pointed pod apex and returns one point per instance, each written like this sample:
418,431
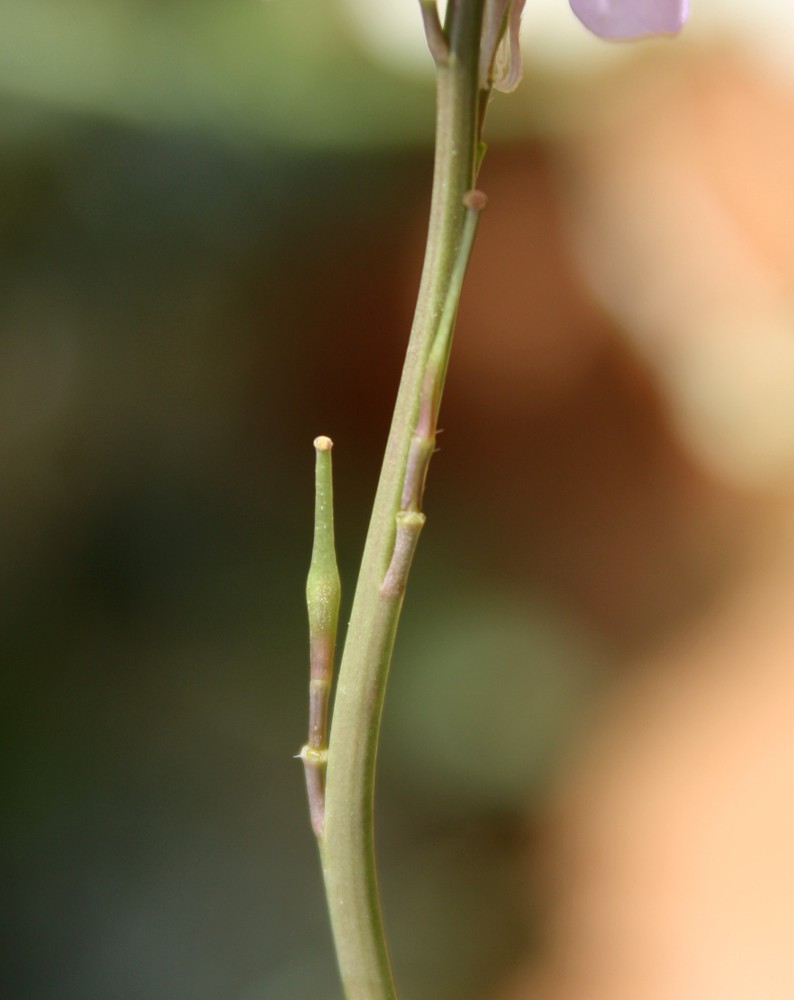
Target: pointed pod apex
624,20
323,443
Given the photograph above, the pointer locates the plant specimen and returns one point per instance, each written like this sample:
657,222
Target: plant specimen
475,51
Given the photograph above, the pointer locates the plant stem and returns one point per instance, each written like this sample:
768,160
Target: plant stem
346,842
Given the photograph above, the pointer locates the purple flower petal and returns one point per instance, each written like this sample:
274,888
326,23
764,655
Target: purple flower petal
621,20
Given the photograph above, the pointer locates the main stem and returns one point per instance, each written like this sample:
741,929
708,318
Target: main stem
347,842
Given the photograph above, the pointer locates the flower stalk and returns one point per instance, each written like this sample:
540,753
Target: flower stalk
345,836
475,50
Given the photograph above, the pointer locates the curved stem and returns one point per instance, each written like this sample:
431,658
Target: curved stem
346,842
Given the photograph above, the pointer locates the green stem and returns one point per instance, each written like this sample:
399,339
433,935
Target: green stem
347,843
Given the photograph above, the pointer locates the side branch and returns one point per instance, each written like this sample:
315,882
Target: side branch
434,32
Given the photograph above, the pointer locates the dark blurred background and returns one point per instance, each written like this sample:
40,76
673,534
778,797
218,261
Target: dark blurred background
211,228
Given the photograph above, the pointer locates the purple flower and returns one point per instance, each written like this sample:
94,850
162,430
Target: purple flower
621,20
618,20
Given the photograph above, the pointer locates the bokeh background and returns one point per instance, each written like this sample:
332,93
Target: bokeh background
211,228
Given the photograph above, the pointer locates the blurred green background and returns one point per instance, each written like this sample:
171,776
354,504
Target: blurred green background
211,220
190,197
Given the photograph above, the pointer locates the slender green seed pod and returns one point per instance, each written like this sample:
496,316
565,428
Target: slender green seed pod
323,592
323,588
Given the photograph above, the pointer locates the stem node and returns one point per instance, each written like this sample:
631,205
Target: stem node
409,525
